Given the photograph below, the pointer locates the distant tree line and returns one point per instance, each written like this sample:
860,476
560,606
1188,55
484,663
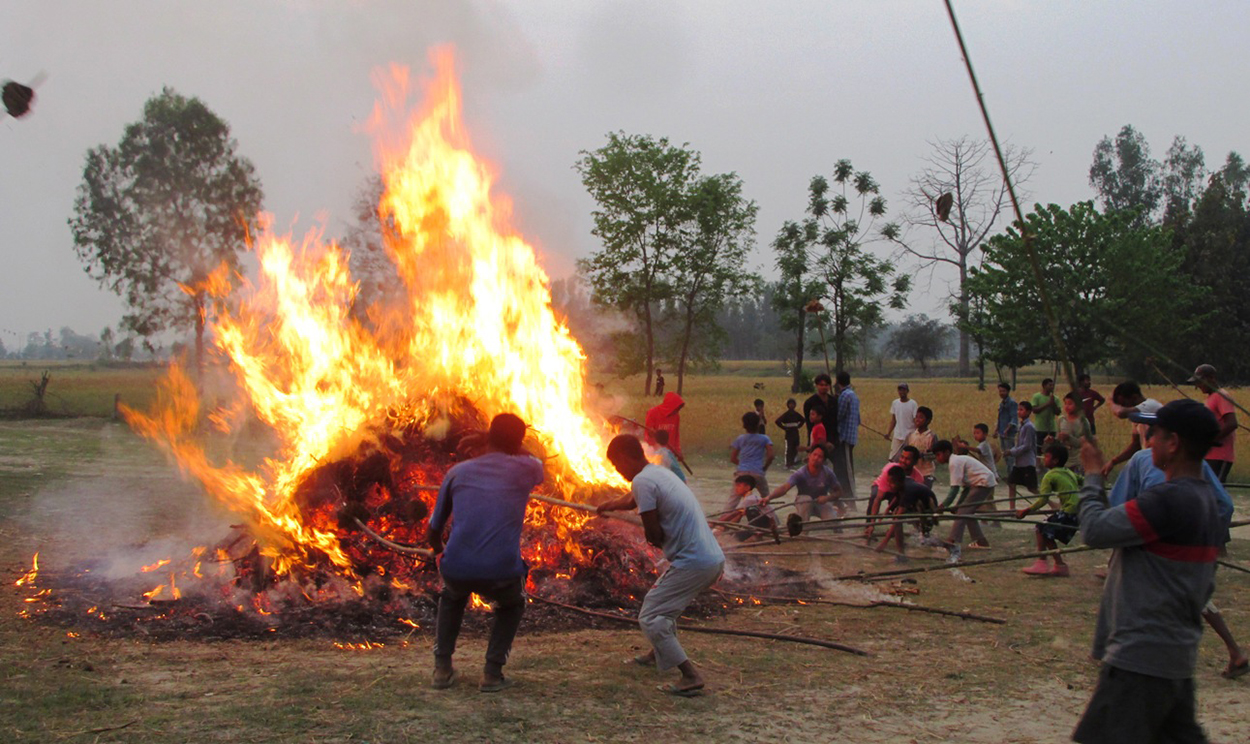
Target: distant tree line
1146,277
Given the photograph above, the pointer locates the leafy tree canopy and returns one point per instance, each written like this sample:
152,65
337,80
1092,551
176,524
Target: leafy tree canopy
156,215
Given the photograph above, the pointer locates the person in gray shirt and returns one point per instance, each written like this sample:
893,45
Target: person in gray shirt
673,521
1160,576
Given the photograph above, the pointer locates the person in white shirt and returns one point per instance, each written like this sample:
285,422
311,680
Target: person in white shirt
967,471
902,420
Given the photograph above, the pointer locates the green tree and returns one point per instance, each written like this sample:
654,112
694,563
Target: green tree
967,170
158,214
920,339
858,285
106,344
708,266
797,286
641,186
1117,287
1214,241
1125,176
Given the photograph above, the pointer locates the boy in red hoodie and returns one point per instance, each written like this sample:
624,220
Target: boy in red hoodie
664,417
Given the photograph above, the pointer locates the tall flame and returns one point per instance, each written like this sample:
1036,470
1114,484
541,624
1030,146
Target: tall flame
474,324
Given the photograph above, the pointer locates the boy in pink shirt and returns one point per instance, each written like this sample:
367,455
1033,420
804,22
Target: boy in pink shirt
1220,456
882,489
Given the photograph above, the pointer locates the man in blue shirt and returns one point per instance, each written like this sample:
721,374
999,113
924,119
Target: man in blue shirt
1005,426
847,435
487,495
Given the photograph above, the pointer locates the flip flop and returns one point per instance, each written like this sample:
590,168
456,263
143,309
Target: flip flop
686,692
499,686
975,546
641,660
1235,671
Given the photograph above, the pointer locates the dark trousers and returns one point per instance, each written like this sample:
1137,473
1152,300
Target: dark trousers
1131,708
792,448
844,468
508,598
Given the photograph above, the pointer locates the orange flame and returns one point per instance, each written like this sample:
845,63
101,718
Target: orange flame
29,576
474,324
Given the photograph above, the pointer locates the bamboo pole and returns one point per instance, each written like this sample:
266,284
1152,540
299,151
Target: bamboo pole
1026,236
874,603
588,508
710,631
961,564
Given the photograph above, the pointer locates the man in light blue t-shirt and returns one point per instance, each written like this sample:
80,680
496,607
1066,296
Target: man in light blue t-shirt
673,521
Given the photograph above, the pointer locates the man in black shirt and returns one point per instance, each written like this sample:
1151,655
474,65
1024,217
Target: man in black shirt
826,402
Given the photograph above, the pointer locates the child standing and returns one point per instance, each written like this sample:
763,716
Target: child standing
902,420
759,411
752,452
1024,454
923,440
1062,525
791,422
817,418
1073,428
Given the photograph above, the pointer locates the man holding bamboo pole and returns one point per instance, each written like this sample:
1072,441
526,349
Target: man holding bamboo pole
673,521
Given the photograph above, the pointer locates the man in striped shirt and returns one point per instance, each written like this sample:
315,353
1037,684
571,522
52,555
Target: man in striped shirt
1159,579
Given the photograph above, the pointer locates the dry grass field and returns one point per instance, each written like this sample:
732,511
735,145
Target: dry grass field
71,489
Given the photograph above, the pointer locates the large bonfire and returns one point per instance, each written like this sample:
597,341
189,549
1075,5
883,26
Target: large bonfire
370,406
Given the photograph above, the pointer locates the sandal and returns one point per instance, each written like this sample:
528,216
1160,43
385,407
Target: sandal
642,660
1233,671
687,692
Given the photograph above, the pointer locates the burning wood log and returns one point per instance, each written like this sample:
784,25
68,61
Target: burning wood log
392,545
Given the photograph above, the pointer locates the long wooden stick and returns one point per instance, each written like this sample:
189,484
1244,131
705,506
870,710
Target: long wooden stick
1234,566
874,603
623,516
711,631
392,545
1026,235
961,564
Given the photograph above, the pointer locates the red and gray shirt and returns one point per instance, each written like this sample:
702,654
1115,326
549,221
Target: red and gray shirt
1160,576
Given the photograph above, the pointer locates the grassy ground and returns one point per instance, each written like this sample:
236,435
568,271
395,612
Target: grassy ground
70,489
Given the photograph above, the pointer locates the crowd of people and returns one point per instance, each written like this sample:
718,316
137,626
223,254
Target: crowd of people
1166,519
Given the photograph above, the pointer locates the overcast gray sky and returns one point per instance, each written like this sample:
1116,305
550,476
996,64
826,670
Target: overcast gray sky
777,91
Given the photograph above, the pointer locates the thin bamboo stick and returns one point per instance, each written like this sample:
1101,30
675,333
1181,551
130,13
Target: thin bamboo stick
712,631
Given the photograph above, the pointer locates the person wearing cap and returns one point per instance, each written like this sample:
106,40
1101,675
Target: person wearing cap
487,495
1160,576
1139,474
902,420
1220,458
